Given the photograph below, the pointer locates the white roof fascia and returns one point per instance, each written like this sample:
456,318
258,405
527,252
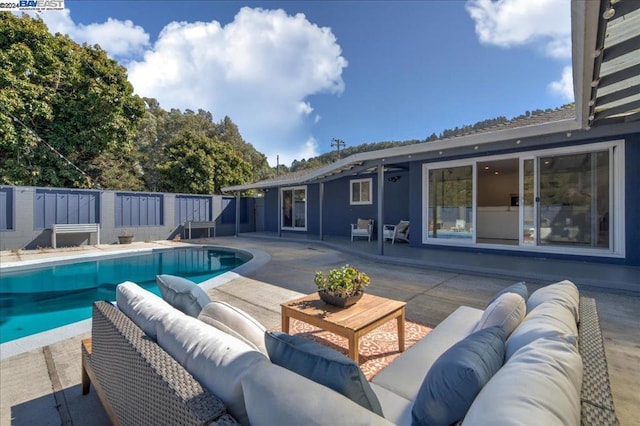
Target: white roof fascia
561,126
584,32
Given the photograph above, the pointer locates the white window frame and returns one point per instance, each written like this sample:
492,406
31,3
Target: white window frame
351,193
306,208
617,228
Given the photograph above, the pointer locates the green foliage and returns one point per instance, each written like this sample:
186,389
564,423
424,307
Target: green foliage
197,164
343,282
59,99
216,147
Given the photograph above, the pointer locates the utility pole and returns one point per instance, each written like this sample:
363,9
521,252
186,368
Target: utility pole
337,143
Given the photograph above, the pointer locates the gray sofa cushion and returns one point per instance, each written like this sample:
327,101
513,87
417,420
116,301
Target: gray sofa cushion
323,365
142,307
275,396
564,293
457,377
396,409
405,374
236,322
517,288
215,359
507,311
540,383
182,294
547,320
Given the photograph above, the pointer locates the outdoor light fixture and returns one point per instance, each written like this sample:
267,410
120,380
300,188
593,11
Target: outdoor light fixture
609,13
394,178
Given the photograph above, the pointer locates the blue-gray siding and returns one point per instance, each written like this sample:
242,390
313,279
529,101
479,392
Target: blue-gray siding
138,209
65,206
193,207
6,209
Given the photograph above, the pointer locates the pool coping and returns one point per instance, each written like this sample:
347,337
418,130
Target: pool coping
28,343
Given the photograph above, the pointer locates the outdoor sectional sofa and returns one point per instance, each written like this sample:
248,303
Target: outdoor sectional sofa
153,364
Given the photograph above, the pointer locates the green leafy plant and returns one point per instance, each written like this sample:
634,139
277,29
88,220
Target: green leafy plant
344,282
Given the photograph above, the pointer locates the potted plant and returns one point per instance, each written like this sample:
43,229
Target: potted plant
125,237
341,287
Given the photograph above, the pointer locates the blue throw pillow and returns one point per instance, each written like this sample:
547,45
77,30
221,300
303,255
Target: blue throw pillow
517,288
457,376
182,294
322,365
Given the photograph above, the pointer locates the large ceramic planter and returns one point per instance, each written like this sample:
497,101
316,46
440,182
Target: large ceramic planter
125,239
341,302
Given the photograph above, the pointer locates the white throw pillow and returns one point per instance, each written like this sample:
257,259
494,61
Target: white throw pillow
541,384
236,322
142,307
507,311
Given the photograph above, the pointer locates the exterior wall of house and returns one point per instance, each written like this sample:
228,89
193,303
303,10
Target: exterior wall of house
404,200
339,214
632,198
27,231
632,202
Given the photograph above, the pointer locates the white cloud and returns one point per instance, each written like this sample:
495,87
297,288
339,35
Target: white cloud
508,23
564,86
121,39
258,70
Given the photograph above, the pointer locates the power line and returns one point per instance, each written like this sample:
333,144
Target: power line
52,149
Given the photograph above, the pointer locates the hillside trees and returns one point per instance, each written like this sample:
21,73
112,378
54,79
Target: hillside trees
60,100
197,164
188,152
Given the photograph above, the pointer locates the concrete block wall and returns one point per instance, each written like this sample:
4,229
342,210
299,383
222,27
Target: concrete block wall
25,236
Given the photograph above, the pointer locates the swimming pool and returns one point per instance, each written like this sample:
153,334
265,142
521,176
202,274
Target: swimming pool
42,298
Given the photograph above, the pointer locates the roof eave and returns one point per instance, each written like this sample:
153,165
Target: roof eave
560,126
584,33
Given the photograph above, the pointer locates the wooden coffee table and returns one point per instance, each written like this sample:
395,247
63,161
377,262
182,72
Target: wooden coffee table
366,315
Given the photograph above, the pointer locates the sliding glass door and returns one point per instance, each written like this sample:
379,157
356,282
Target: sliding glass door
450,213
294,208
556,200
575,199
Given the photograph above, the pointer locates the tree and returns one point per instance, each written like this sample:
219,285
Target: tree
198,164
227,131
67,112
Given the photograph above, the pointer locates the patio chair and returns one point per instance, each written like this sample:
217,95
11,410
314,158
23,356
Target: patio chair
363,228
397,232
460,226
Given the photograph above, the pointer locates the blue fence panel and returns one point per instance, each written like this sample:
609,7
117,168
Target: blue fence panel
138,209
229,211
65,206
192,207
6,209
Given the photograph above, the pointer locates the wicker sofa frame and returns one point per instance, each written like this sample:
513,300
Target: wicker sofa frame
139,383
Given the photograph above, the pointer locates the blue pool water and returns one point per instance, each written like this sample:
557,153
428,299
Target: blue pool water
40,299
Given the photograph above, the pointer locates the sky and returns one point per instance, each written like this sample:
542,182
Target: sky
294,75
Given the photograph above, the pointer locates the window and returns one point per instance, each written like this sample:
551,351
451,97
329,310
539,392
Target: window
294,208
361,190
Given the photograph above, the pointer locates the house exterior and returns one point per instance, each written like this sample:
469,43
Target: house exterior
559,184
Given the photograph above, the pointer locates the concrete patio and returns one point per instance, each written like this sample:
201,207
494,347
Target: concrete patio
42,386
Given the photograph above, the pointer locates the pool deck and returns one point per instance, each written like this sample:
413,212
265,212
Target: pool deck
42,385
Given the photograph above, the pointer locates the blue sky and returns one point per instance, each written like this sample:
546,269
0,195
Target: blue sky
295,74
